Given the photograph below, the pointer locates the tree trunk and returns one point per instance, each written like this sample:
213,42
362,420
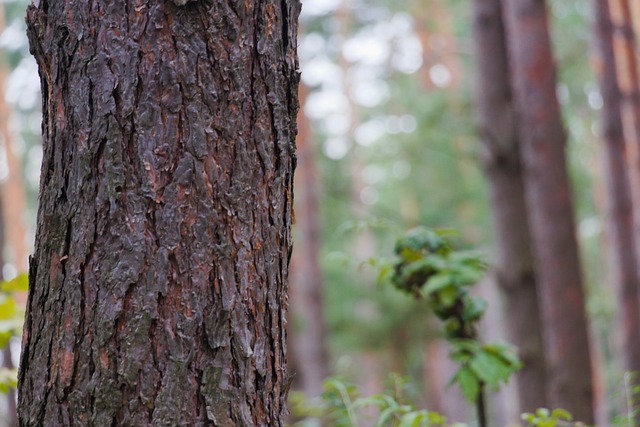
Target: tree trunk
550,208
624,261
13,187
158,284
307,325
513,271
626,66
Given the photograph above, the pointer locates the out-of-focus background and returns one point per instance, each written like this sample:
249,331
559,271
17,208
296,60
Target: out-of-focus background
387,141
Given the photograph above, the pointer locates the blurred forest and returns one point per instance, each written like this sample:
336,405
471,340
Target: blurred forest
391,132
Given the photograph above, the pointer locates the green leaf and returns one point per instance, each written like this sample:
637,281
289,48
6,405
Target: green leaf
448,296
465,275
436,283
20,283
473,309
8,307
469,383
384,274
4,338
561,414
489,368
384,417
415,419
543,413
506,352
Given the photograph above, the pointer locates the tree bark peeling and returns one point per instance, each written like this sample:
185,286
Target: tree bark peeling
158,284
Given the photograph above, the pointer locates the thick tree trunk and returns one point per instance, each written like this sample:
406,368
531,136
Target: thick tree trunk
158,284
550,208
513,271
307,324
624,261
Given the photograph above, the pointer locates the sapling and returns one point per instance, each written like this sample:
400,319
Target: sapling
428,267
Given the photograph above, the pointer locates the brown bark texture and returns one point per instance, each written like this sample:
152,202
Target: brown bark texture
158,284
307,325
626,67
550,208
623,252
513,270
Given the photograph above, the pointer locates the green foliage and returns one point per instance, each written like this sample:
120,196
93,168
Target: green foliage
342,406
8,380
428,267
487,364
545,418
11,320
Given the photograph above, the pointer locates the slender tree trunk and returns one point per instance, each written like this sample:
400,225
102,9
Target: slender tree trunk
12,213
308,323
550,208
435,29
13,187
158,284
11,416
623,253
514,263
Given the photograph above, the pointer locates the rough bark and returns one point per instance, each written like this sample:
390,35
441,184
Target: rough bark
307,324
513,270
158,284
623,258
550,208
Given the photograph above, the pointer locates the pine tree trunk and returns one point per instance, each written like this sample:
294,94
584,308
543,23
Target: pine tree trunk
158,284
513,271
550,208
624,261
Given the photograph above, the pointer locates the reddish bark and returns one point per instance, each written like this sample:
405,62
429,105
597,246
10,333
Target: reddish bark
550,208
513,271
623,252
626,66
158,284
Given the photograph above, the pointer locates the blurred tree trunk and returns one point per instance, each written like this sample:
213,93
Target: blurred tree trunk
11,417
307,324
550,209
11,213
626,66
158,284
435,29
623,249
513,271
13,187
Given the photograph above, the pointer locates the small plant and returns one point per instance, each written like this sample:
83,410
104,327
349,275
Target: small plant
427,267
545,418
342,406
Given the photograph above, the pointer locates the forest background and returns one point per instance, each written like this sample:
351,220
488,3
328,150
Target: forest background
388,140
